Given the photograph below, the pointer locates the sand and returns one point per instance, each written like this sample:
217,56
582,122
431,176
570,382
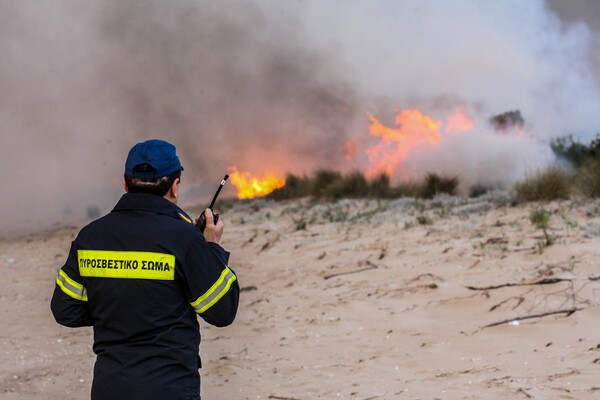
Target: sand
358,300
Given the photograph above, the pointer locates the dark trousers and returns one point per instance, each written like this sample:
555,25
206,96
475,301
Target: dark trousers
125,385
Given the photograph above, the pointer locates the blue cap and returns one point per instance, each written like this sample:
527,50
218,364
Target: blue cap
161,156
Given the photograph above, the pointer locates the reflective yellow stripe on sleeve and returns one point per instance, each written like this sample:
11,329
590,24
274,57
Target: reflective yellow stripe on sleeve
70,287
214,294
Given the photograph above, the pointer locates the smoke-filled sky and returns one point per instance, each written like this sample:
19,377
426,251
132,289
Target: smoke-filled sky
272,86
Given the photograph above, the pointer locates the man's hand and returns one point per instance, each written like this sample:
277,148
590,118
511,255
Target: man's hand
212,232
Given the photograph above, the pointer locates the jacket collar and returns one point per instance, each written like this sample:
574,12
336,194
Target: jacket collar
150,202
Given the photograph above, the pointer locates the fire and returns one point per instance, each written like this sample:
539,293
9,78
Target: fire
459,122
249,186
349,151
415,130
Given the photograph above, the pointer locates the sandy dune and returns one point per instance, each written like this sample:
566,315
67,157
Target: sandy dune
358,300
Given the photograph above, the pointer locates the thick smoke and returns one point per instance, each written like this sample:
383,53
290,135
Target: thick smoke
490,57
271,86
222,81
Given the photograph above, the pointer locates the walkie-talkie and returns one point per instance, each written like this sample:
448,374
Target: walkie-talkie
202,219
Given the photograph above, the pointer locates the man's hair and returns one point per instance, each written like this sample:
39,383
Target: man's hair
158,186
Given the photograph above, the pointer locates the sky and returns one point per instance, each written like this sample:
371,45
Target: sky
276,87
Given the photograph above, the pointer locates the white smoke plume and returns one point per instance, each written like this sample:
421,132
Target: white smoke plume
271,86
489,56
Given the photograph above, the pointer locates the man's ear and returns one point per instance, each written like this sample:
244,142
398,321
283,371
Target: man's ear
125,186
174,187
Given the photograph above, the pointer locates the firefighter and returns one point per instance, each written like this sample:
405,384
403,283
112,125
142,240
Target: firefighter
140,276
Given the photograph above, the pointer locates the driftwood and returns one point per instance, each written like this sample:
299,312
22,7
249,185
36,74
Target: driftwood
571,305
546,281
374,397
568,313
281,398
372,266
571,297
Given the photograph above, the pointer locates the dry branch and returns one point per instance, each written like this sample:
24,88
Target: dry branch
427,275
496,240
519,299
374,397
281,398
568,313
372,266
546,281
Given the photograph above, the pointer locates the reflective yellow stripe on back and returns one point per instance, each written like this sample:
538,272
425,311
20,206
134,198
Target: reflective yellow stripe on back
126,264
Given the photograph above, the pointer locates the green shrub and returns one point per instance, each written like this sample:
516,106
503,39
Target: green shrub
553,183
295,187
353,185
424,220
508,120
405,189
331,184
540,218
479,190
379,186
576,153
435,184
588,179
323,179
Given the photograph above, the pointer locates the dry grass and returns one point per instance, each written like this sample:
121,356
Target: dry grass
553,183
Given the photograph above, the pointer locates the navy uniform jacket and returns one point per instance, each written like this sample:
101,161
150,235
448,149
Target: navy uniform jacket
140,276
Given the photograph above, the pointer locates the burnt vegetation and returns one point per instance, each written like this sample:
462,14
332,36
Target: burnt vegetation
333,185
508,120
576,175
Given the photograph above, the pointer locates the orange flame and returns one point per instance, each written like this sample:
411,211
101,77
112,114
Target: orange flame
459,122
349,150
415,130
249,187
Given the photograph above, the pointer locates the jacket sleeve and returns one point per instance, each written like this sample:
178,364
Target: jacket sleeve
69,302
212,287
